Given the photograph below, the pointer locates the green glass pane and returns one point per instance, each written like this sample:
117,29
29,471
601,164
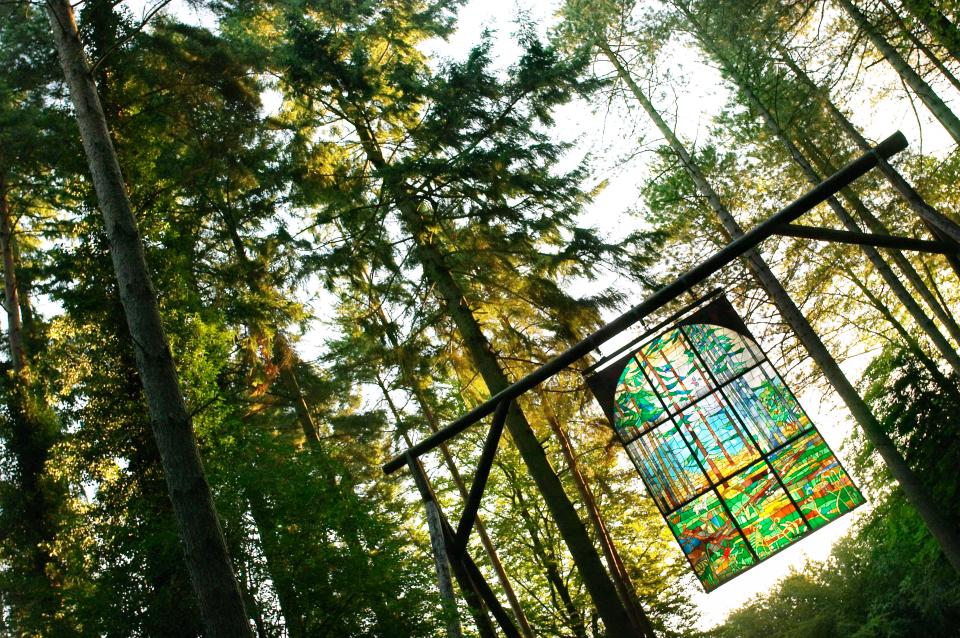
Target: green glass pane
711,542
815,479
636,405
766,406
726,353
669,469
763,510
673,369
720,442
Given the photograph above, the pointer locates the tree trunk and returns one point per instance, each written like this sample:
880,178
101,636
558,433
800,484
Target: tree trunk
940,226
939,26
284,355
427,411
35,501
899,290
11,291
923,48
287,596
909,272
584,554
941,529
578,541
912,344
896,286
618,571
549,563
923,90
221,603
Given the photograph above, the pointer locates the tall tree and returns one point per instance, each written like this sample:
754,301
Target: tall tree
34,501
593,26
221,604
918,495
421,171
920,87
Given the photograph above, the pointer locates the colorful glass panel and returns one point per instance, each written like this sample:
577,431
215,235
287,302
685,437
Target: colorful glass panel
672,473
673,370
763,510
816,480
724,448
768,408
719,441
636,403
725,352
713,545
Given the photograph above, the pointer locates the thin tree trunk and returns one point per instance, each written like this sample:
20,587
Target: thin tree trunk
912,344
584,554
31,437
939,225
923,48
939,26
923,90
618,571
290,608
933,283
574,617
284,355
220,600
10,289
909,272
899,290
946,536
427,411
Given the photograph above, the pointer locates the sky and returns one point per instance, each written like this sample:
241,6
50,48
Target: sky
611,138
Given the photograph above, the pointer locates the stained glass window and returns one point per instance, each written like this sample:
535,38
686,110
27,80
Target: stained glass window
727,453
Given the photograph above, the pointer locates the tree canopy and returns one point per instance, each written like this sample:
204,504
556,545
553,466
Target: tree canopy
254,249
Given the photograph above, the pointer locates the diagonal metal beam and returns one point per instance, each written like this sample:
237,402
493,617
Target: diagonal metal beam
472,506
868,239
464,562
699,273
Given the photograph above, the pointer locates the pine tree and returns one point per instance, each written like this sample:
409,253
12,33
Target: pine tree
211,573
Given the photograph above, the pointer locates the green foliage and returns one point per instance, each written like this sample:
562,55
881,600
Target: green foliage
887,577
295,256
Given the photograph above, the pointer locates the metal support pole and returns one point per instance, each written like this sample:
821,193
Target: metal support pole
868,239
482,588
472,506
438,545
476,589
843,177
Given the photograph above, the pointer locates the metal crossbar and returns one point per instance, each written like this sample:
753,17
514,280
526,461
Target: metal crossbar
472,506
869,239
699,273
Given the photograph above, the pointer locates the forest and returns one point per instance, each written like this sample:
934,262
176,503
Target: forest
254,249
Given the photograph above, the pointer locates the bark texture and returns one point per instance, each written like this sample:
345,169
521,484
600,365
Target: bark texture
919,86
220,600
